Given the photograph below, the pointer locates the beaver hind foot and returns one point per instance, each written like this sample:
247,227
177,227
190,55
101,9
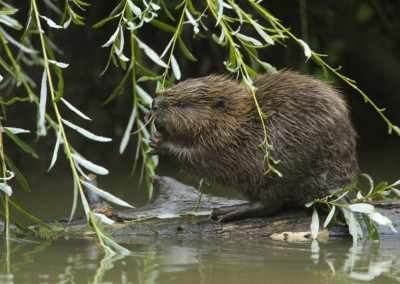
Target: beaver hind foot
244,210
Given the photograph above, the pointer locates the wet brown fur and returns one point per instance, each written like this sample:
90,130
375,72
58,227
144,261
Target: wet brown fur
212,127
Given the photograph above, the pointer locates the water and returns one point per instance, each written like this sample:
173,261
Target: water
201,261
185,261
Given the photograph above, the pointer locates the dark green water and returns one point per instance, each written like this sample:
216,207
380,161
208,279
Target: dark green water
217,261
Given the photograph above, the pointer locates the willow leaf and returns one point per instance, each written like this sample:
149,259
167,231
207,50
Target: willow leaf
8,68
18,224
330,216
89,165
128,130
51,23
104,219
59,64
74,109
5,188
314,224
144,95
18,175
74,201
307,50
86,133
102,22
135,9
112,38
21,143
55,152
151,53
185,50
41,128
175,68
15,130
106,195
29,216
163,26
362,208
16,43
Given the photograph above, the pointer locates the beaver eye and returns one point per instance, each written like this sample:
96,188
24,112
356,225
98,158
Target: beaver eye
181,104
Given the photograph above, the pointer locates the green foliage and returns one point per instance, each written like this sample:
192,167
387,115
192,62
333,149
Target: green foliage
242,30
370,216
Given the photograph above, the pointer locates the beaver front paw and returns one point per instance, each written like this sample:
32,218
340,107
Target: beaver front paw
159,144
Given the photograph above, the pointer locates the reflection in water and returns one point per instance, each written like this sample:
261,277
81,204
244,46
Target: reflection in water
206,261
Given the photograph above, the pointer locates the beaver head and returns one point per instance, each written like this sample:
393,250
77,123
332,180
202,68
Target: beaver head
197,107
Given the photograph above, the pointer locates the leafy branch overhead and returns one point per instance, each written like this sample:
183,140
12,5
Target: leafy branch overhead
242,30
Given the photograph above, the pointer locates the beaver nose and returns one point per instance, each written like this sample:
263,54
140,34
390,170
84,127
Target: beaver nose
154,105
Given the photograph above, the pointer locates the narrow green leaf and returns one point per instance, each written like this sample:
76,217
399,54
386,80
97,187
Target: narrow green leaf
117,91
29,216
381,186
163,26
166,11
8,68
102,22
8,11
371,228
185,50
120,88
81,3
20,178
20,143
19,225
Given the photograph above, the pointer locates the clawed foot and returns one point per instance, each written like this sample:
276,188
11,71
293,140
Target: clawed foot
159,144
240,211
244,210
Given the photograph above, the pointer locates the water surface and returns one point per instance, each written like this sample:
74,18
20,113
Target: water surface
201,261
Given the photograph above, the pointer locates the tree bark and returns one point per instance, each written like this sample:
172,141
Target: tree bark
172,197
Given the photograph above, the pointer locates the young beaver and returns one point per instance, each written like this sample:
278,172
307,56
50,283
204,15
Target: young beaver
212,127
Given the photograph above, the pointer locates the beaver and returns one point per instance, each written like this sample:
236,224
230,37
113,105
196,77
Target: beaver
212,127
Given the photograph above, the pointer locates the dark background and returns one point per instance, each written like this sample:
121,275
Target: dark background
361,36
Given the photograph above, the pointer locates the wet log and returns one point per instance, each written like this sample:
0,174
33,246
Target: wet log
172,198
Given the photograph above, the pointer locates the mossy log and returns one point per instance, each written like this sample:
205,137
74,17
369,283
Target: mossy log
172,197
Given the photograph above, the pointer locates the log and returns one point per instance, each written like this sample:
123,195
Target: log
173,197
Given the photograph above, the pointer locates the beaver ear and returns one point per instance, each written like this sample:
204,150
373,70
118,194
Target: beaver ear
221,104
